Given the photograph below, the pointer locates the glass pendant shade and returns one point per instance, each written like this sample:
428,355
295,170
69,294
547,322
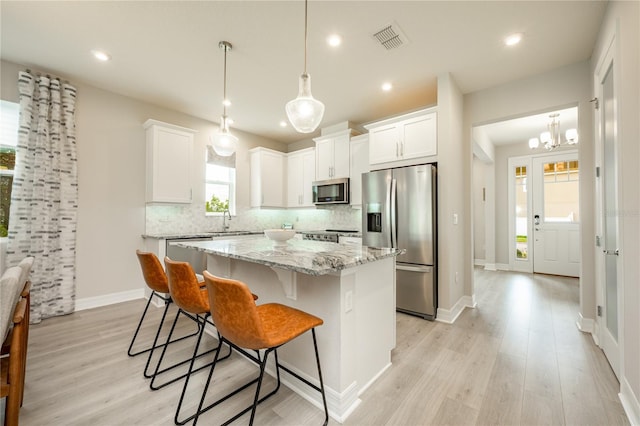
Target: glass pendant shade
304,112
534,143
223,142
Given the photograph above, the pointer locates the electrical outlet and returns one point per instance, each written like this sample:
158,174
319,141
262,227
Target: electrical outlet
457,276
455,218
348,301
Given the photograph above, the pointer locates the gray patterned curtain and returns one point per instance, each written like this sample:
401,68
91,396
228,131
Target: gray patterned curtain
44,197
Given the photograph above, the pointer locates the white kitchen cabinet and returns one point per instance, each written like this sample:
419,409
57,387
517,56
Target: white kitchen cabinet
267,178
301,172
359,158
168,163
332,155
405,137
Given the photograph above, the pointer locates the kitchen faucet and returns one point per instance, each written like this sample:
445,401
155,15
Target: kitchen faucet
224,220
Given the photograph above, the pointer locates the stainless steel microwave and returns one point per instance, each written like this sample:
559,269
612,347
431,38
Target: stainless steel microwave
334,191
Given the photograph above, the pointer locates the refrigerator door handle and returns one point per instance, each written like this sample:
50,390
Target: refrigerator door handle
414,268
392,216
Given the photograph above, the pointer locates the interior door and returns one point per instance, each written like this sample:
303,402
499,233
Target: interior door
556,214
610,262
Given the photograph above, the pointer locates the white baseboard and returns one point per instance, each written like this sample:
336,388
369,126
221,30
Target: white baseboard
479,262
503,267
108,299
449,316
490,267
630,402
586,325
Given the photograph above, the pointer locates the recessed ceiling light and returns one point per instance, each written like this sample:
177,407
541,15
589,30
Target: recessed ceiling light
226,102
283,123
229,120
101,55
513,39
387,86
334,40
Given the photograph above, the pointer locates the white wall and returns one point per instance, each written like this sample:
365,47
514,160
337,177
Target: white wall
452,243
111,175
479,205
622,19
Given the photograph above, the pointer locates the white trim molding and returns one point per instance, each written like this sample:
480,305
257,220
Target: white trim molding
449,316
490,267
108,299
503,267
586,325
479,262
629,402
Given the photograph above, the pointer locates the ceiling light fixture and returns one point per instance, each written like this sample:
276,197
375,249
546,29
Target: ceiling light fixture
223,142
283,123
304,112
387,87
334,40
551,138
513,39
101,55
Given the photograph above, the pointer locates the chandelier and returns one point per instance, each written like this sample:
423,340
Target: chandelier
552,139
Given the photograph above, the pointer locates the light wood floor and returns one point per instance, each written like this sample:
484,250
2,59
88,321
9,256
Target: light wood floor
517,358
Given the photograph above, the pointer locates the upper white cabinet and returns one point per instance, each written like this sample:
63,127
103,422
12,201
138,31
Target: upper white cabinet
301,172
169,162
359,164
267,178
402,138
332,155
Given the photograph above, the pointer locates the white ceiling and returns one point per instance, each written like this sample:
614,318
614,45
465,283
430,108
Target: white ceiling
166,52
520,130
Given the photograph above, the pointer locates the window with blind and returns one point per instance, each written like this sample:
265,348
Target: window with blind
9,113
220,183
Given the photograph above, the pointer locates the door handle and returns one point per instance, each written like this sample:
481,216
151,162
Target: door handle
536,220
615,252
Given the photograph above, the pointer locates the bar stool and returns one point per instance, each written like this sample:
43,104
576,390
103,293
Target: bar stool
156,280
193,299
242,324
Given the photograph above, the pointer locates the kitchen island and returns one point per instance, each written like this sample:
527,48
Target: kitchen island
352,288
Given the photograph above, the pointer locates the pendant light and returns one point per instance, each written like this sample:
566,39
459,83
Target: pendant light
223,142
304,112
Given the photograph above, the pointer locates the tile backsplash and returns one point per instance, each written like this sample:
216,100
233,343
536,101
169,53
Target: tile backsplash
185,219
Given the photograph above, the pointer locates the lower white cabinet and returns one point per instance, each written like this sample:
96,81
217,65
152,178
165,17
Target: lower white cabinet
267,177
359,158
301,172
168,163
405,137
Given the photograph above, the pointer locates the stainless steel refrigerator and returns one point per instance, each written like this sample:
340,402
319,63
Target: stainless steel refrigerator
399,210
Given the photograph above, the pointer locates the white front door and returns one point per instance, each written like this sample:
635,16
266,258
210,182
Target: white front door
556,214
608,263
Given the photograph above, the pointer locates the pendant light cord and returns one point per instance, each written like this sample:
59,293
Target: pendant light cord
305,36
224,89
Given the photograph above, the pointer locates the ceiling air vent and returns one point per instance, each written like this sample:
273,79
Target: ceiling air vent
390,37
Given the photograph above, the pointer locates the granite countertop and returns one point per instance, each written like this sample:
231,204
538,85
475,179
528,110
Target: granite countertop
200,234
307,257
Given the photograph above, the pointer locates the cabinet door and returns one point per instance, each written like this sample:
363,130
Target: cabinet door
419,137
267,179
308,176
359,165
294,183
169,153
384,144
324,159
341,157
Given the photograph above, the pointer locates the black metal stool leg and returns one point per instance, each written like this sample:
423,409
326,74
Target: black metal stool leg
135,335
324,397
204,392
263,365
155,341
164,350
